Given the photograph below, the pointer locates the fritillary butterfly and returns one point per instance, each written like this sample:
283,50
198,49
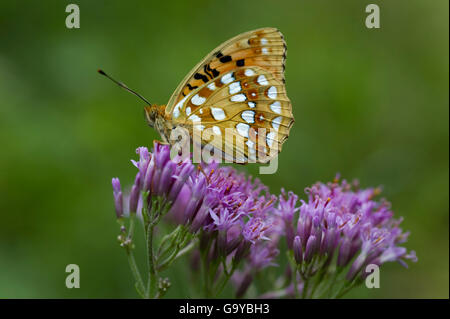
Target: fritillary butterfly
240,86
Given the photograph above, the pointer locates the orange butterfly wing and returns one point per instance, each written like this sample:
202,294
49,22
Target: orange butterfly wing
238,86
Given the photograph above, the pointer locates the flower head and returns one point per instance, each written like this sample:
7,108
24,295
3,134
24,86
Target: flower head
339,219
210,198
286,210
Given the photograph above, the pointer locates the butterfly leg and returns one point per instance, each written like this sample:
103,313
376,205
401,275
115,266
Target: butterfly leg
161,142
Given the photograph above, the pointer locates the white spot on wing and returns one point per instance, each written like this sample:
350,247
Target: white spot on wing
218,113
263,41
234,88
272,92
188,111
251,104
276,107
216,130
194,118
249,72
262,80
211,86
176,109
251,147
276,123
198,100
227,78
270,138
265,50
243,129
248,116
238,98
199,127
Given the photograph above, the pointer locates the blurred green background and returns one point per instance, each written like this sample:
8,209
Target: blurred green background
372,104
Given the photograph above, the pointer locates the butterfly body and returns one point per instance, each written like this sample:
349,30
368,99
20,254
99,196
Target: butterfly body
238,87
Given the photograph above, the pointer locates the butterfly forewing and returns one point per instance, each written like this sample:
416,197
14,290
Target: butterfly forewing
238,88
263,47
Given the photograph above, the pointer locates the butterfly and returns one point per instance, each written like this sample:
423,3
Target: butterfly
240,88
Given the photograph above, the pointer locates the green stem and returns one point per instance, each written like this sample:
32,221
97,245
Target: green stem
212,275
333,283
152,278
131,228
205,266
136,274
319,278
305,287
132,262
227,276
295,281
344,290
205,278
186,249
306,278
295,270
221,285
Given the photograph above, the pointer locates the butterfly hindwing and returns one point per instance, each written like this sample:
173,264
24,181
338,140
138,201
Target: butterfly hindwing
249,102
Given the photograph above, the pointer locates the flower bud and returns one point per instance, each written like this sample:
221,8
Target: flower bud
310,249
118,197
134,195
298,250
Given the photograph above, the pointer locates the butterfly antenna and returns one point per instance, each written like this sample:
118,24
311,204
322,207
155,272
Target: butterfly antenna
123,86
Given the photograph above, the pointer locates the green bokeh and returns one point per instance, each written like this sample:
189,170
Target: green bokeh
371,104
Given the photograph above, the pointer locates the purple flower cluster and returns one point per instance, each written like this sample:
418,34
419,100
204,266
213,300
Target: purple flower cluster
341,221
236,219
212,199
229,209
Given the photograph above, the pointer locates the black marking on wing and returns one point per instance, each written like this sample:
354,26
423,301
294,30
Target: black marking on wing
206,69
199,76
225,59
215,72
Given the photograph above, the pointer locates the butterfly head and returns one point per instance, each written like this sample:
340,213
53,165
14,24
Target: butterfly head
155,116
153,112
